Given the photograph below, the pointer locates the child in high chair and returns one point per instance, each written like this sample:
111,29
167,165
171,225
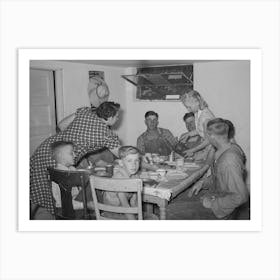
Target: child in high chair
129,164
63,154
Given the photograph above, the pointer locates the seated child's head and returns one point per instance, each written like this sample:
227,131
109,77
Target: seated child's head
130,159
63,153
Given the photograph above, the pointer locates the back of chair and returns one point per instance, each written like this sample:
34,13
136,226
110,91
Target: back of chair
116,185
66,180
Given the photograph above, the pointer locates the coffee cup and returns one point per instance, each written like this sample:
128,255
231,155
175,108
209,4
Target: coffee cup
179,163
110,170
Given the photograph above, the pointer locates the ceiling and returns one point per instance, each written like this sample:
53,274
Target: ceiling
137,63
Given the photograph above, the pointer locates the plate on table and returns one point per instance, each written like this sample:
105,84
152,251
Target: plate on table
176,175
100,171
191,165
170,163
101,174
96,169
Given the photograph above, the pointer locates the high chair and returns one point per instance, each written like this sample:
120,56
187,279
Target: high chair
66,180
116,185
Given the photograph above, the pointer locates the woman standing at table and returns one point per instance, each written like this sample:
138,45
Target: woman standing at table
89,131
98,92
194,102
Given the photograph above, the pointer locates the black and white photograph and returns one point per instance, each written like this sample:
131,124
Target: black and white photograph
139,140
106,149
113,157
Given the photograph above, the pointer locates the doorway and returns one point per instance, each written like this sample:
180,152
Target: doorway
43,117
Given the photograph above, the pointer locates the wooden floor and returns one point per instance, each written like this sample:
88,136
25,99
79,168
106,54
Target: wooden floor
185,208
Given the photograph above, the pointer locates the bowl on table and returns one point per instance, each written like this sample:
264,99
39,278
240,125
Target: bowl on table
161,173
100,171
163,158
153,175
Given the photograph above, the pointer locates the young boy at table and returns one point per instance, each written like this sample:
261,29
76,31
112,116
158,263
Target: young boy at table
129,164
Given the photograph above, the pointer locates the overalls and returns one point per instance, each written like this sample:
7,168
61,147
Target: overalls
157,145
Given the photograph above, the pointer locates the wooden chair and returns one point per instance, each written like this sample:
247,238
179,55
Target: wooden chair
116,185
66,180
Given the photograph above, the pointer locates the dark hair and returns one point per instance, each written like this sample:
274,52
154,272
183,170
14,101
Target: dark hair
107,109
218,126
188,115
55,146
231,129
127,150
151,113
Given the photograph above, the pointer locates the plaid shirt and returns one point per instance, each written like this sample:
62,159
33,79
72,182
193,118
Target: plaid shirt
87,132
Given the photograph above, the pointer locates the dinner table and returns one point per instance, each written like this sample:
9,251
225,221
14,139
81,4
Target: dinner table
163,191
160,191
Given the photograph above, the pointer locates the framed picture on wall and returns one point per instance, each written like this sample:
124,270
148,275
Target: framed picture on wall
162,83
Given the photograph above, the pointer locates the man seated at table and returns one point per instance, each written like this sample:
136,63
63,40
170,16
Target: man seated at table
155,139
228,190
187,138
188,141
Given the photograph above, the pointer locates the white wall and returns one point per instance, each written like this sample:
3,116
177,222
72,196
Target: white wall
75,82
226,88
170,114
224,85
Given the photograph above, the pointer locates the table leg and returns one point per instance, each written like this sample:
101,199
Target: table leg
149,208
162,209
160,202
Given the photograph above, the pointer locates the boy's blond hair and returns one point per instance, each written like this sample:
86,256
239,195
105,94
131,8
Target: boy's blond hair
127,150
57,146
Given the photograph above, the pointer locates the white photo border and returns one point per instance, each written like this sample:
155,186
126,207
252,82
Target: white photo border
255,57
